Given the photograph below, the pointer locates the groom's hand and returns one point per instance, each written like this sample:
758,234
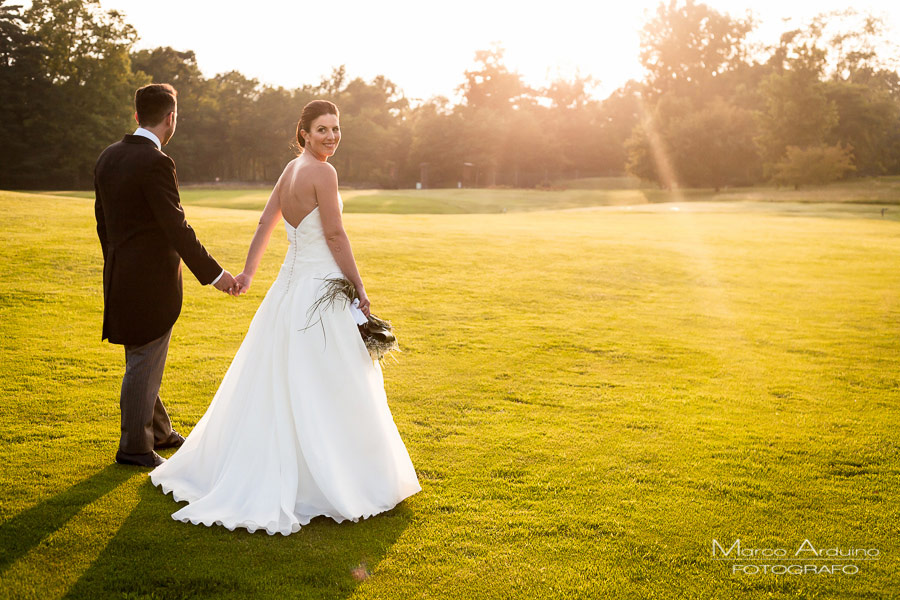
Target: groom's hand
225,283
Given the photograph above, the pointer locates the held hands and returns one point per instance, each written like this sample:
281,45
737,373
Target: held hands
235,286
242,284
225,283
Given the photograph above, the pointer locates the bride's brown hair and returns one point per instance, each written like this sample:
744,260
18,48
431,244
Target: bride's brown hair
312,111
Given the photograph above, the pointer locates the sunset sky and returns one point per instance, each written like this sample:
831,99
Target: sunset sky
424,47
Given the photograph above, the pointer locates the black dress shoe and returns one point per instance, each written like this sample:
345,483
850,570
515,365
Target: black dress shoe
151,459
175,440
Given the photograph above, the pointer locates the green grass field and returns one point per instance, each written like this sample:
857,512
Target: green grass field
437,201
862,196
590,397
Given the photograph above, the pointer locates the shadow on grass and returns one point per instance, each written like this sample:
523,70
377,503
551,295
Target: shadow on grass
154,556
26,530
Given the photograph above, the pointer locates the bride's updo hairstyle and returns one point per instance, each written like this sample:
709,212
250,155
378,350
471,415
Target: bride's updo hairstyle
312,111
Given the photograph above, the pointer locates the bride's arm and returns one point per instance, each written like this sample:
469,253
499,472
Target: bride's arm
271,215
326,184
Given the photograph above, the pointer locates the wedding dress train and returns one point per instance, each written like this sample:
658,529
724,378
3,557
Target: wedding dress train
300,425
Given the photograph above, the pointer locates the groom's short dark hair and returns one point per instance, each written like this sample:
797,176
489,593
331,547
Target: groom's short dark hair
153,102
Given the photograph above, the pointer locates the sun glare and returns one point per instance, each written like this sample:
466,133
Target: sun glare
425,49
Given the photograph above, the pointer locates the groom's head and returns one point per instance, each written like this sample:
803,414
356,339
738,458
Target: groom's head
156,108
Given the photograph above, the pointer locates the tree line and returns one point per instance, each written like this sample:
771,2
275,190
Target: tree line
713,110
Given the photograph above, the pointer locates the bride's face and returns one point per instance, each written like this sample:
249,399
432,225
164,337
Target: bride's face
324,135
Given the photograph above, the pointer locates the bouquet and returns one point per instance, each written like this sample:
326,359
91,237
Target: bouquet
377,334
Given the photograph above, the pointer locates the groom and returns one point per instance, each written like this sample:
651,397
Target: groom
144,237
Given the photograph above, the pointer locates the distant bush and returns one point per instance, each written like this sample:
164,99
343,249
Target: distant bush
814,165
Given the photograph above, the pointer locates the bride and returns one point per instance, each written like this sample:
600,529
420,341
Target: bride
300,425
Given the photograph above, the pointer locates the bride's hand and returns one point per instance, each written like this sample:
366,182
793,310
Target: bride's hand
364,305
242,283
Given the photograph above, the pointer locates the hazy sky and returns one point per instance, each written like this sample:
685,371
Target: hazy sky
424,47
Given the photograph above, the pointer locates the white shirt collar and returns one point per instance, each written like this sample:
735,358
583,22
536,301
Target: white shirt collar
149,135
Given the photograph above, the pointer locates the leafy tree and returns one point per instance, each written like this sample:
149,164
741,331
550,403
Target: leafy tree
573,94
680,145
375,142
581,136
691,131
23,85
167,65
235,97
89,103
798,111
529,147
67,77
642,162
333,83
66,84
868,120
491,85
275,117
437,141
606,130
197,142
686,46
492,95
851,43
814,165
714,147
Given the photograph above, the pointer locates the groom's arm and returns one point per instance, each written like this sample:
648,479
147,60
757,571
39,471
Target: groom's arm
161,192
98,214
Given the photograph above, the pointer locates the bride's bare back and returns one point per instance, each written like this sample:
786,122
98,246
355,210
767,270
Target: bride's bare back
308,182
297,191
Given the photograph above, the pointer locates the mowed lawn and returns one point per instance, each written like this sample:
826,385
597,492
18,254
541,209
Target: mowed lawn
590,398
407,201
874,196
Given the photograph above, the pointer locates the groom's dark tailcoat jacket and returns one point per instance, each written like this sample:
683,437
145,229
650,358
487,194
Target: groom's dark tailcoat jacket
144,237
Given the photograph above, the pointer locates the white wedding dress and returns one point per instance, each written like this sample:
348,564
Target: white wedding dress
300,425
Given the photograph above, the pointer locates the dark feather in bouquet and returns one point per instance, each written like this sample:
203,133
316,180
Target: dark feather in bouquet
377,334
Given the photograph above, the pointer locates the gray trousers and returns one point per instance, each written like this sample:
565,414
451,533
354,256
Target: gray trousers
144,418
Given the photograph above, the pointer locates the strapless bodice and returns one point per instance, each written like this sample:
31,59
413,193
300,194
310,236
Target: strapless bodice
308,248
